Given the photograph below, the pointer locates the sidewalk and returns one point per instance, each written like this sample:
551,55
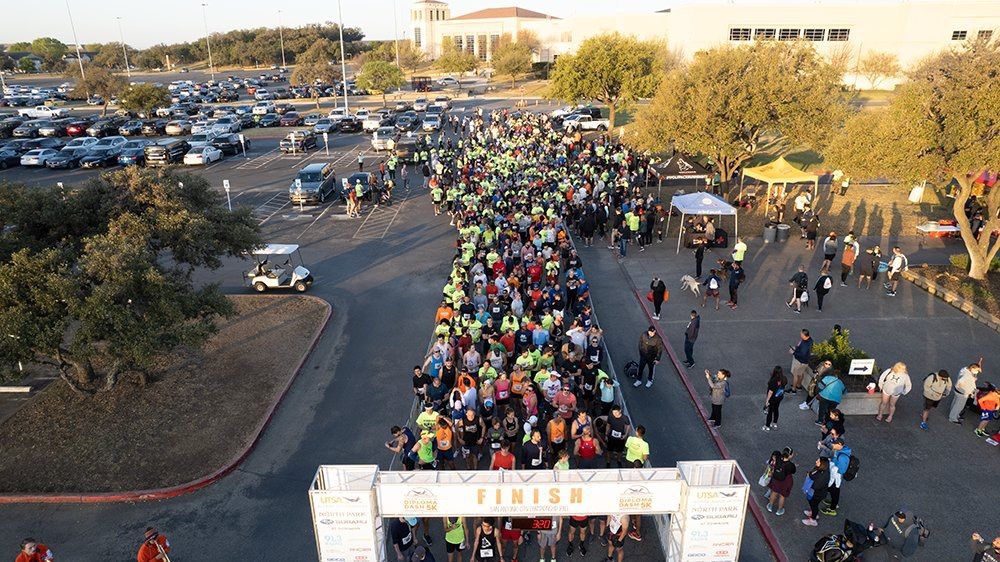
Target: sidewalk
938,474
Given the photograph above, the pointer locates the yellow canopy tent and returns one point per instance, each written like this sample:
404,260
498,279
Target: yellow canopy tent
778,172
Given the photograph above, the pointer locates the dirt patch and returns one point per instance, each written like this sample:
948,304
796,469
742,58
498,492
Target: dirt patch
199,413
984,294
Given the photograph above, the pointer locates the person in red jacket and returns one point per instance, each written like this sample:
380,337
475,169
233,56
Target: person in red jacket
33,551
154,548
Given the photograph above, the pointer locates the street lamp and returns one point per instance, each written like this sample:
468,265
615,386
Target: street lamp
343,60
281,40
79,58
121,36
395,30
208,43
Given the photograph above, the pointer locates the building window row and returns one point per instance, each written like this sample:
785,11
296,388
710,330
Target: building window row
416,37
963,34
788,34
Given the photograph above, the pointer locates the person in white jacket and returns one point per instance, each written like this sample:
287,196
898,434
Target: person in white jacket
936,387
965,388
894,382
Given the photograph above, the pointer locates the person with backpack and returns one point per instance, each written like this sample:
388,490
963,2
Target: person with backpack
658,289
650,350
894,382
772,400
823,286
843,468
736,277
782,481
936,387
800,289
712,285
829,391
719,388
897,265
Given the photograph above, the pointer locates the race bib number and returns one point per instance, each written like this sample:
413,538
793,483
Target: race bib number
588,386
616,434
407,539
494,445
503,394
444,443
486,553
536,462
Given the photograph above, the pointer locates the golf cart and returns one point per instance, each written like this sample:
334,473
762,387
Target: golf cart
273,269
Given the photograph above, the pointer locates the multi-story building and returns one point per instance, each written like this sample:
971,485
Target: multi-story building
910,29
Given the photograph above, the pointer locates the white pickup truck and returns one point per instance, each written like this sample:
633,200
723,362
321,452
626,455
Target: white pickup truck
584,123
41,111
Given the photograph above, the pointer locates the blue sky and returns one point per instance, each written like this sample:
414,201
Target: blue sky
147,22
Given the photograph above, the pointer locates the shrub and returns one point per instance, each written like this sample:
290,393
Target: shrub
961,261
838,350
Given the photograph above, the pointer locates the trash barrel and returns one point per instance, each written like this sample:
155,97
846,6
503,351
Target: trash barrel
770,232
783,230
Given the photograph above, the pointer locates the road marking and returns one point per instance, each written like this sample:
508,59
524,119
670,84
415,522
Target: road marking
272,206
315,220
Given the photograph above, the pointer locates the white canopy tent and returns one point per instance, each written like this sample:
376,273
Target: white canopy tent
700,203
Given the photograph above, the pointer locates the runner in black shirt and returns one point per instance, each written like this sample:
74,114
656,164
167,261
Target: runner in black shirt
471,434
487,543
618,430
421,381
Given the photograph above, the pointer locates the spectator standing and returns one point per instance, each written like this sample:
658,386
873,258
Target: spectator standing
816,487
772,399
936,387
965,390
867,268
33,551
739,250
830,244
690,336
154,548
699,256
712,285
983,552
659,290
650,351
812,228
800,287
894,382
782,481
848,257
989,407
897,265
823,285
719,388
829,392
736,277
801,354
839,462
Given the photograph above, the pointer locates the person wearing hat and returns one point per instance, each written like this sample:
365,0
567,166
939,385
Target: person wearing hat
424,452
33,551
421,554
155,547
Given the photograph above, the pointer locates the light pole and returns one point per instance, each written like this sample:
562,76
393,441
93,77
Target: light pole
343,60
79,58
121,36
395,30
208,43
281,40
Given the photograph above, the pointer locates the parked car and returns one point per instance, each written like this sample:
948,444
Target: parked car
130,128
78,128
313,184
247,121
104,127
446,82
297,141
263,107
407,149
29,129
339,113
349,125
9,158
581,122
442,102
381,138
201,139
178,128
55,128
154,127
435,110
324,125
100,157
202,155
372,122
432,123
269,120
70,155
283,108
420,104
202,126
42,111
311,119
38,156
133,152
227,124
366,180
166,152
8,125
402,106
290,119
41,142
407,123
230,143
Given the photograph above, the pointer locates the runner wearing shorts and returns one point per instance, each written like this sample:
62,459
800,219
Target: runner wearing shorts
617,528
549,539
618,430
579,523
509,534
454,536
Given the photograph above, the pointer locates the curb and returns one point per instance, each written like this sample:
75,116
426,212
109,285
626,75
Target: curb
758,515
198,483
954,299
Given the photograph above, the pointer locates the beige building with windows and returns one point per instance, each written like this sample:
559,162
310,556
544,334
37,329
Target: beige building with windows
910,29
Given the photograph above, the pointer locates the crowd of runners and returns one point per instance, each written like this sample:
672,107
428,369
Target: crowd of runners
517,375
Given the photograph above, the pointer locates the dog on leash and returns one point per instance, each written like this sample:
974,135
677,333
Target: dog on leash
723,269
689,283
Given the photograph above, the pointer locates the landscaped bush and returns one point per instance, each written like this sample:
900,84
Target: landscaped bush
839,351
961,261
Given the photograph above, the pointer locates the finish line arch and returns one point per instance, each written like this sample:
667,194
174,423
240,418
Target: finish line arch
699,506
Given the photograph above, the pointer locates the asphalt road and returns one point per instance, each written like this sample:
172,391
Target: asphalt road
382,273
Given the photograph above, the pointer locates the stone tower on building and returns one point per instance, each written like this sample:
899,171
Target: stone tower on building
425,16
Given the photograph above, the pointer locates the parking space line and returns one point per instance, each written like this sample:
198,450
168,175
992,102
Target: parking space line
315,220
